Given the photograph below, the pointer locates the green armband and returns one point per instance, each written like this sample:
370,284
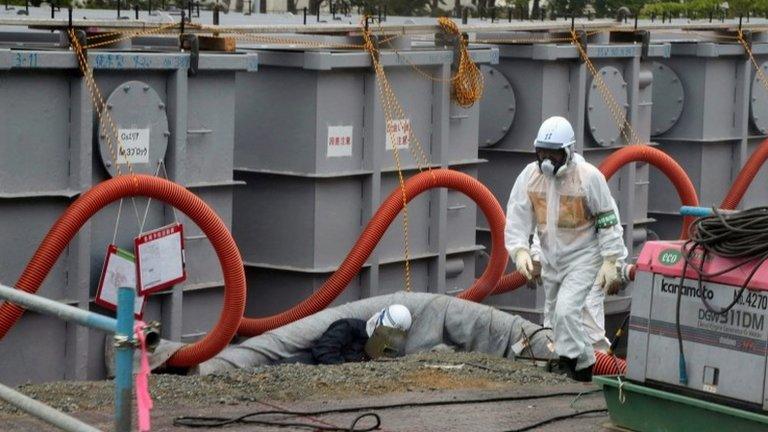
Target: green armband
606,220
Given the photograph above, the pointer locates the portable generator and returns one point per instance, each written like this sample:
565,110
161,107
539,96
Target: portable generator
724,350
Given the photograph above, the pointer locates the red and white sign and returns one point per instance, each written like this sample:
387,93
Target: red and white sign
398,134
160,258
339,141
119,270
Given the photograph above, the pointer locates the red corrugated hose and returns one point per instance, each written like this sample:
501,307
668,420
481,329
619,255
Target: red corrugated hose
157,188
745,177
373,233
674,172
491,280
606,364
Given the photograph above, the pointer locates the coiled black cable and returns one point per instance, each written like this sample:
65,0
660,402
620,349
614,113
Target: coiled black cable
742,236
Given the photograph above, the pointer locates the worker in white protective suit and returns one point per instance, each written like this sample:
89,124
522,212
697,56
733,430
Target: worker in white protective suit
593,312
565,201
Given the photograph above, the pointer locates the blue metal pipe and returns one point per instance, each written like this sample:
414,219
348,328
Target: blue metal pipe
44,412
60,310
696,211
702,211
124,343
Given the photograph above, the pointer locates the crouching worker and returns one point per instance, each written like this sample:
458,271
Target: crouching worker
355,340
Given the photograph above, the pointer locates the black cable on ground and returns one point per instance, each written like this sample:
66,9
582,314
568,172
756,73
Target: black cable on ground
213,422
557,419
202,421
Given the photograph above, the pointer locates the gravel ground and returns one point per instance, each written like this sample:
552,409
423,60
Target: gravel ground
425,372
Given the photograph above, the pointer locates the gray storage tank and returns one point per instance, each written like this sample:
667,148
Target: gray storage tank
50,153
709,115
306,201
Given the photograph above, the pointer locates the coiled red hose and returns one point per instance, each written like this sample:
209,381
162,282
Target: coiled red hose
674,172
67,226
745,177
373,233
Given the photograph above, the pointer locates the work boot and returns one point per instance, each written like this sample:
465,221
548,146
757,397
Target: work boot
566,366
583,375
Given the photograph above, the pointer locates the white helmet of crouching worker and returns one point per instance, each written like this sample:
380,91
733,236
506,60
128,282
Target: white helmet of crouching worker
554,145
387,331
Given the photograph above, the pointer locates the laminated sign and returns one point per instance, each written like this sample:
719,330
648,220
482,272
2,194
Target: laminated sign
339,141
119,270
160,258
398,134
134,146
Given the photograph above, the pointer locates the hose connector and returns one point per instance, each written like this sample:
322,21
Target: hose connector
626,273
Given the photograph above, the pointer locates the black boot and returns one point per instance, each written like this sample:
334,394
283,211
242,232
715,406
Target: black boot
583,375
567,366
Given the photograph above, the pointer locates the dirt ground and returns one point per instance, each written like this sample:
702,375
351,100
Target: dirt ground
448,378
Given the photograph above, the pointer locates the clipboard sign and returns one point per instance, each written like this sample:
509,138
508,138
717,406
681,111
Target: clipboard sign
119,270
160,258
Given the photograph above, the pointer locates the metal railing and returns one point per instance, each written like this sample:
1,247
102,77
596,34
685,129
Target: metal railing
122,328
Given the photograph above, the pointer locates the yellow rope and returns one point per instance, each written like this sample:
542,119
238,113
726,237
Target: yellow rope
623,124
758,70
386,95
105,119
126,36
468,81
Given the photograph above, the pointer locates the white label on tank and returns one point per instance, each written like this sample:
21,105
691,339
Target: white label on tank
134,146
339,141
398,134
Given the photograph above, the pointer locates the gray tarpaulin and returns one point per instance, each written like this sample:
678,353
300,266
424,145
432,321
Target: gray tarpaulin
437,319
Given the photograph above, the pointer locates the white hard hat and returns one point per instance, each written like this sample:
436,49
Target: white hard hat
396,316
555,133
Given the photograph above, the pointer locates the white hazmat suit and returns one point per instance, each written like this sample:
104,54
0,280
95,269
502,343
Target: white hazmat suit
577,222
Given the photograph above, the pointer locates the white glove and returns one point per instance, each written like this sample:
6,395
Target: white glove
608,277
524,263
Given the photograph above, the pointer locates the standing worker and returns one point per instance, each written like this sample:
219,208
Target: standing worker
566,202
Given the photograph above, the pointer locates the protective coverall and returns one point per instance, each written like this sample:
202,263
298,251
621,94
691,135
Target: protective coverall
577,222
